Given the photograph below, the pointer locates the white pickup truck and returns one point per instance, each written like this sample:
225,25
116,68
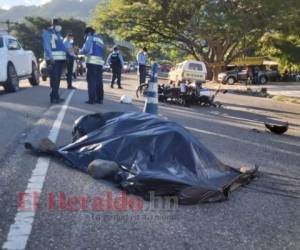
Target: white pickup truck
16,64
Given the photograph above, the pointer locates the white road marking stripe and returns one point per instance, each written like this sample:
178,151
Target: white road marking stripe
19,232
243,141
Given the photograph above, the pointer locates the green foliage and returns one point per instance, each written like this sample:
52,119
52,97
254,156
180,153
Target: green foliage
30,31
286,49
29,34
216,31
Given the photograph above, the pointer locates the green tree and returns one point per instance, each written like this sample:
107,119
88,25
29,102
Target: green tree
215,31
30,31
285,49
29,34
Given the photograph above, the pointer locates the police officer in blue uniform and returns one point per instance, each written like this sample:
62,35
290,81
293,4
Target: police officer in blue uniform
94,52
69,45
142,60
116,62
55,56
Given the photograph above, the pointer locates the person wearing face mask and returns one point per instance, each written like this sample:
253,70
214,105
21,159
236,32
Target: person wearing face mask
55,56
69,45
116,62
94,52
142,62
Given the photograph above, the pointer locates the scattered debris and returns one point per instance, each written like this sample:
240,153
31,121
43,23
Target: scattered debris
263,92
282,98
256,130
247,169
126,99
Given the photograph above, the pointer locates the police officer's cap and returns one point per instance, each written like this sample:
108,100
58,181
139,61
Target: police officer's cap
55,21
89,30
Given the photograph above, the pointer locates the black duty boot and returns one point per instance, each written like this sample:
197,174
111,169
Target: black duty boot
99,101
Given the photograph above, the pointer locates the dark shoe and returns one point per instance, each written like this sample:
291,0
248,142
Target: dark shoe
120,87
112,86
57,101
89,102
71,87
99,101
60,100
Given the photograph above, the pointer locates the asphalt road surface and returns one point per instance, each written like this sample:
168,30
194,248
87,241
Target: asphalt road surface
262,215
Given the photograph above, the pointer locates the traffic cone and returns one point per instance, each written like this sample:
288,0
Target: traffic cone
151,103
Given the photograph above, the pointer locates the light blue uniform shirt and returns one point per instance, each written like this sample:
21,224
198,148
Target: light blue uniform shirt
141,58
68,45
47,38
87,48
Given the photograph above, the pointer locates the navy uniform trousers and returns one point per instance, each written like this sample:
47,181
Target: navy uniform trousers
116,75
94,78
70,66
143,73
55,71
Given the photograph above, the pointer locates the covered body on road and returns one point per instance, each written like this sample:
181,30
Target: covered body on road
154,154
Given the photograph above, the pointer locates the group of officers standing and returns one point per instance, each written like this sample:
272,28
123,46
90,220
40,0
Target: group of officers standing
58,51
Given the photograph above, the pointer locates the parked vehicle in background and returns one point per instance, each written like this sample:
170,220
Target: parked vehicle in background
81,65
240,75
16,64
79,68
133,67
165,67
264,71
188,71
106,68
126,67
290,76
129,67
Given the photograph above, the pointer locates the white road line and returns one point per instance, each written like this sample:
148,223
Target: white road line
19,232
244,141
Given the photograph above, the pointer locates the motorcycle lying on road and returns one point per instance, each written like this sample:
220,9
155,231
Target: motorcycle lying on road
185,94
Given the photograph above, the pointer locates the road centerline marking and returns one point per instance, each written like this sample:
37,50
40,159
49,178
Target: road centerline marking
20,230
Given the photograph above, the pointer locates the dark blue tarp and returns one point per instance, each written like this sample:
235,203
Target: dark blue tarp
154,154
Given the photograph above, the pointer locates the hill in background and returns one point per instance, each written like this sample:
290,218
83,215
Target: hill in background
56,8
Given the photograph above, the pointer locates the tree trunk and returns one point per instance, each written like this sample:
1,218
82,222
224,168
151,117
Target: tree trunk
216,70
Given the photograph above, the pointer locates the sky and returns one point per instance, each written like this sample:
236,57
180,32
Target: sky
6,4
